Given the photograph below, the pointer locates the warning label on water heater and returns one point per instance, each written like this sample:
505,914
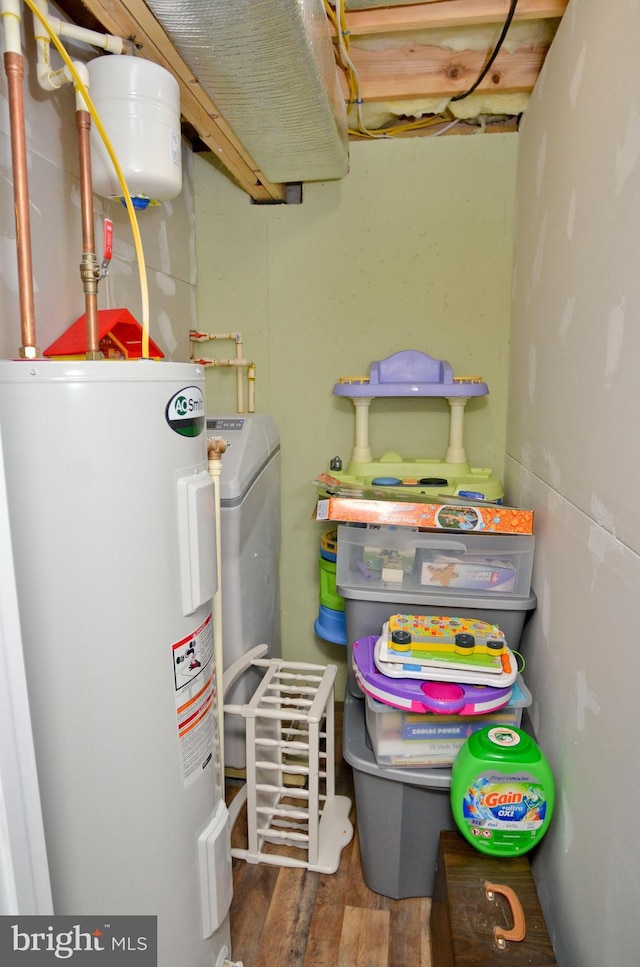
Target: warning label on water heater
196,701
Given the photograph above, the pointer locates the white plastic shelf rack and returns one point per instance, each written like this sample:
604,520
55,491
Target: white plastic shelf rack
290,786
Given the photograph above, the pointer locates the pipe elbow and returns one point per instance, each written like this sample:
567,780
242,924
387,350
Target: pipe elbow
81,70
50,80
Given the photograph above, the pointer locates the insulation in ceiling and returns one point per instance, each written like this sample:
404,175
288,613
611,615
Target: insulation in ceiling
482,37
270,69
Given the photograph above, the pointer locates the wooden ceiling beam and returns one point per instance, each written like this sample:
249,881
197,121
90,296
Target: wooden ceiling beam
134,20
421,71
448,13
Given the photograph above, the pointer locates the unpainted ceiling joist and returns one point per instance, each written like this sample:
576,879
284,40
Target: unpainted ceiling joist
447,13
420,71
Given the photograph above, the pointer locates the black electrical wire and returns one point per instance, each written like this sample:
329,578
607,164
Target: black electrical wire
496,51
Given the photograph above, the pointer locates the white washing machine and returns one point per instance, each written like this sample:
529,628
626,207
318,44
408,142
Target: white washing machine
250,532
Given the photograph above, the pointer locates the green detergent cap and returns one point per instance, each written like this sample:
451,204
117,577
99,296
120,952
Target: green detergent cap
502,791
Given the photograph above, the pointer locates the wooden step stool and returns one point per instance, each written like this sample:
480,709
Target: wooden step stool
485,910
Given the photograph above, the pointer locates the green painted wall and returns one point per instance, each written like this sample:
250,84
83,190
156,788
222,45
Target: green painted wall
412,250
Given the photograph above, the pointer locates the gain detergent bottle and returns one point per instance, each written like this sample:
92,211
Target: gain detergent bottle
502,791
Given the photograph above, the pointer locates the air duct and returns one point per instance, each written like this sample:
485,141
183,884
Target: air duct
269,67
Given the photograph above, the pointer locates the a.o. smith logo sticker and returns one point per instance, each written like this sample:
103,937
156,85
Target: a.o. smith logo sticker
185,411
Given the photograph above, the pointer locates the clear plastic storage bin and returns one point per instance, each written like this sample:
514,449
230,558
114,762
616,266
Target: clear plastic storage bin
388,559
404,739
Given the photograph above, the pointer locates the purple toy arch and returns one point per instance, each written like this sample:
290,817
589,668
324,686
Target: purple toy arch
410,373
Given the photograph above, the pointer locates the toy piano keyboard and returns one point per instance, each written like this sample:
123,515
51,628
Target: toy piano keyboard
414,695
441,648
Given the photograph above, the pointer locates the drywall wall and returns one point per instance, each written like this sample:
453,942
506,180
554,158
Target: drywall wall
412,250
167,231
572,455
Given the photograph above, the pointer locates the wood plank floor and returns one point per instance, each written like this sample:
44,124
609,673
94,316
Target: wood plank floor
283,917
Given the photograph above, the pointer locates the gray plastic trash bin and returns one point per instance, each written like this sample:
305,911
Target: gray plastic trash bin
400,813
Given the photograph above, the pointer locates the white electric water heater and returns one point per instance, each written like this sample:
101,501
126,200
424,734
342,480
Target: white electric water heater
112,519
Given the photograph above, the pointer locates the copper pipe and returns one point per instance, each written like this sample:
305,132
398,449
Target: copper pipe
89,268
14,68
